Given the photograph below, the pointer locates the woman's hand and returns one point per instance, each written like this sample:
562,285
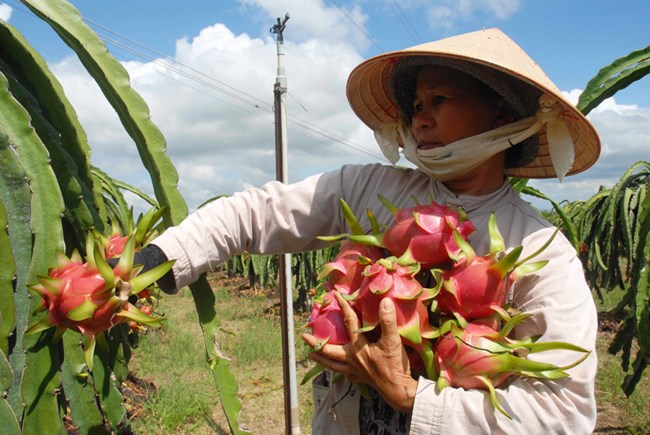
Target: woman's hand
382,365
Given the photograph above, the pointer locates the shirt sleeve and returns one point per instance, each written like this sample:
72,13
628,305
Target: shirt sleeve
276,218
562,309
280,218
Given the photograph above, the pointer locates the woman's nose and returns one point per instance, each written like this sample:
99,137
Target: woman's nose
422,119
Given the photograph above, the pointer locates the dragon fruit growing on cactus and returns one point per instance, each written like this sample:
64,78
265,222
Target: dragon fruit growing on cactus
91,297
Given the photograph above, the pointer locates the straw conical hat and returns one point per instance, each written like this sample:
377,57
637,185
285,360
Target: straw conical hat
370,96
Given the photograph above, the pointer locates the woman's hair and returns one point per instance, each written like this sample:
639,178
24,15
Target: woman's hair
519,98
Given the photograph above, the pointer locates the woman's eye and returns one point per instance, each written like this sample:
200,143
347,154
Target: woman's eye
417,107
439,99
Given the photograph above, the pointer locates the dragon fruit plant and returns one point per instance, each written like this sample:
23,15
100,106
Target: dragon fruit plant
91,297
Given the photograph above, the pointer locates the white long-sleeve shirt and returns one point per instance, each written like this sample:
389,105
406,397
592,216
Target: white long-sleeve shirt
281,218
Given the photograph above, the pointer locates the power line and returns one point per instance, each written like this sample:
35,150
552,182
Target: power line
265,107
168,58
361,29
404,20
210,82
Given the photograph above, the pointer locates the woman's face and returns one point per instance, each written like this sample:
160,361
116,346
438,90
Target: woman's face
450,106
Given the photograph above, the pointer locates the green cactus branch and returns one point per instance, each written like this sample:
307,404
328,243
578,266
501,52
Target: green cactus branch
52,105
113,80
40,376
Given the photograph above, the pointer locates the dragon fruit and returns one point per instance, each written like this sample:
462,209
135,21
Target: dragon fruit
467,350
425,233
327,322
479,357
91,297
141,231
477,287
385,278
115,245
345,273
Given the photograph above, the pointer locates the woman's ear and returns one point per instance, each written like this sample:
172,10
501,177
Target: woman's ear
505,113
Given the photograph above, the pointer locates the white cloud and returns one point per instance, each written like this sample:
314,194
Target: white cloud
5,11
219,126
447,13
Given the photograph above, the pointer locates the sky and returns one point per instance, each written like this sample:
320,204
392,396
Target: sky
206,69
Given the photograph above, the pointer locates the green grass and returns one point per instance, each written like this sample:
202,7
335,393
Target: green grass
173,358
184,399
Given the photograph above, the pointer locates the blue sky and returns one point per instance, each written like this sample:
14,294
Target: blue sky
207,68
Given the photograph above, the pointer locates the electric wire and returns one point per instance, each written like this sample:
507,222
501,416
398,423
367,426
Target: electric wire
169,64
265,107
245,98
361,29
171,59
404,20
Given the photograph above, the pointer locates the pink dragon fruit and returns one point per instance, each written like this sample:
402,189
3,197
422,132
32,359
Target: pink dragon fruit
425,233
477,287
479,357
327,322
387,279
345,273
142,231
115,245
91,297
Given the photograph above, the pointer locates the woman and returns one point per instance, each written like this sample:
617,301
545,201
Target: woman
467,111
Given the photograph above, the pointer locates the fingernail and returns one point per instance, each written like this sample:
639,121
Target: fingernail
388,305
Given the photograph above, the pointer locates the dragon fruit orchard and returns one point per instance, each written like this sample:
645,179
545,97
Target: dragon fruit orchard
455,328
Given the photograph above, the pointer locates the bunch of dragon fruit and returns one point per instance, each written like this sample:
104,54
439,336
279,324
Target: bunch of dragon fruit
92,296
454,331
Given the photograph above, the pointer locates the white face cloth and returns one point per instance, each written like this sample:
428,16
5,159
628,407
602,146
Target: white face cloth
457,158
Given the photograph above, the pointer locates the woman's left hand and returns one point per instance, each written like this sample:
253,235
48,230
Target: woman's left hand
382,364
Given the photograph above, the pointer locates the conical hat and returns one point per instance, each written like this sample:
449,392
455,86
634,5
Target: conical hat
370,96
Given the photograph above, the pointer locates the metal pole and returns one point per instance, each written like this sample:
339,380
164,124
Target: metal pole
291,414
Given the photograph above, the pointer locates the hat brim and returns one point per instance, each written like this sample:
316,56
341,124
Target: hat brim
369,94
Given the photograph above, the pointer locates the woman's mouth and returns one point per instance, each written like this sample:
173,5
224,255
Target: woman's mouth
429,145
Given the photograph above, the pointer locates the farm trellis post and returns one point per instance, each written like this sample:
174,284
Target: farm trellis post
285,276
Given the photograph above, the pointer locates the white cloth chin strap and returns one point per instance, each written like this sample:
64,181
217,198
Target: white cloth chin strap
457,158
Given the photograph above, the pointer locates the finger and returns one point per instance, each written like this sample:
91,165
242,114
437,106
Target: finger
349,316
309,339
331,351
388,322
337,366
